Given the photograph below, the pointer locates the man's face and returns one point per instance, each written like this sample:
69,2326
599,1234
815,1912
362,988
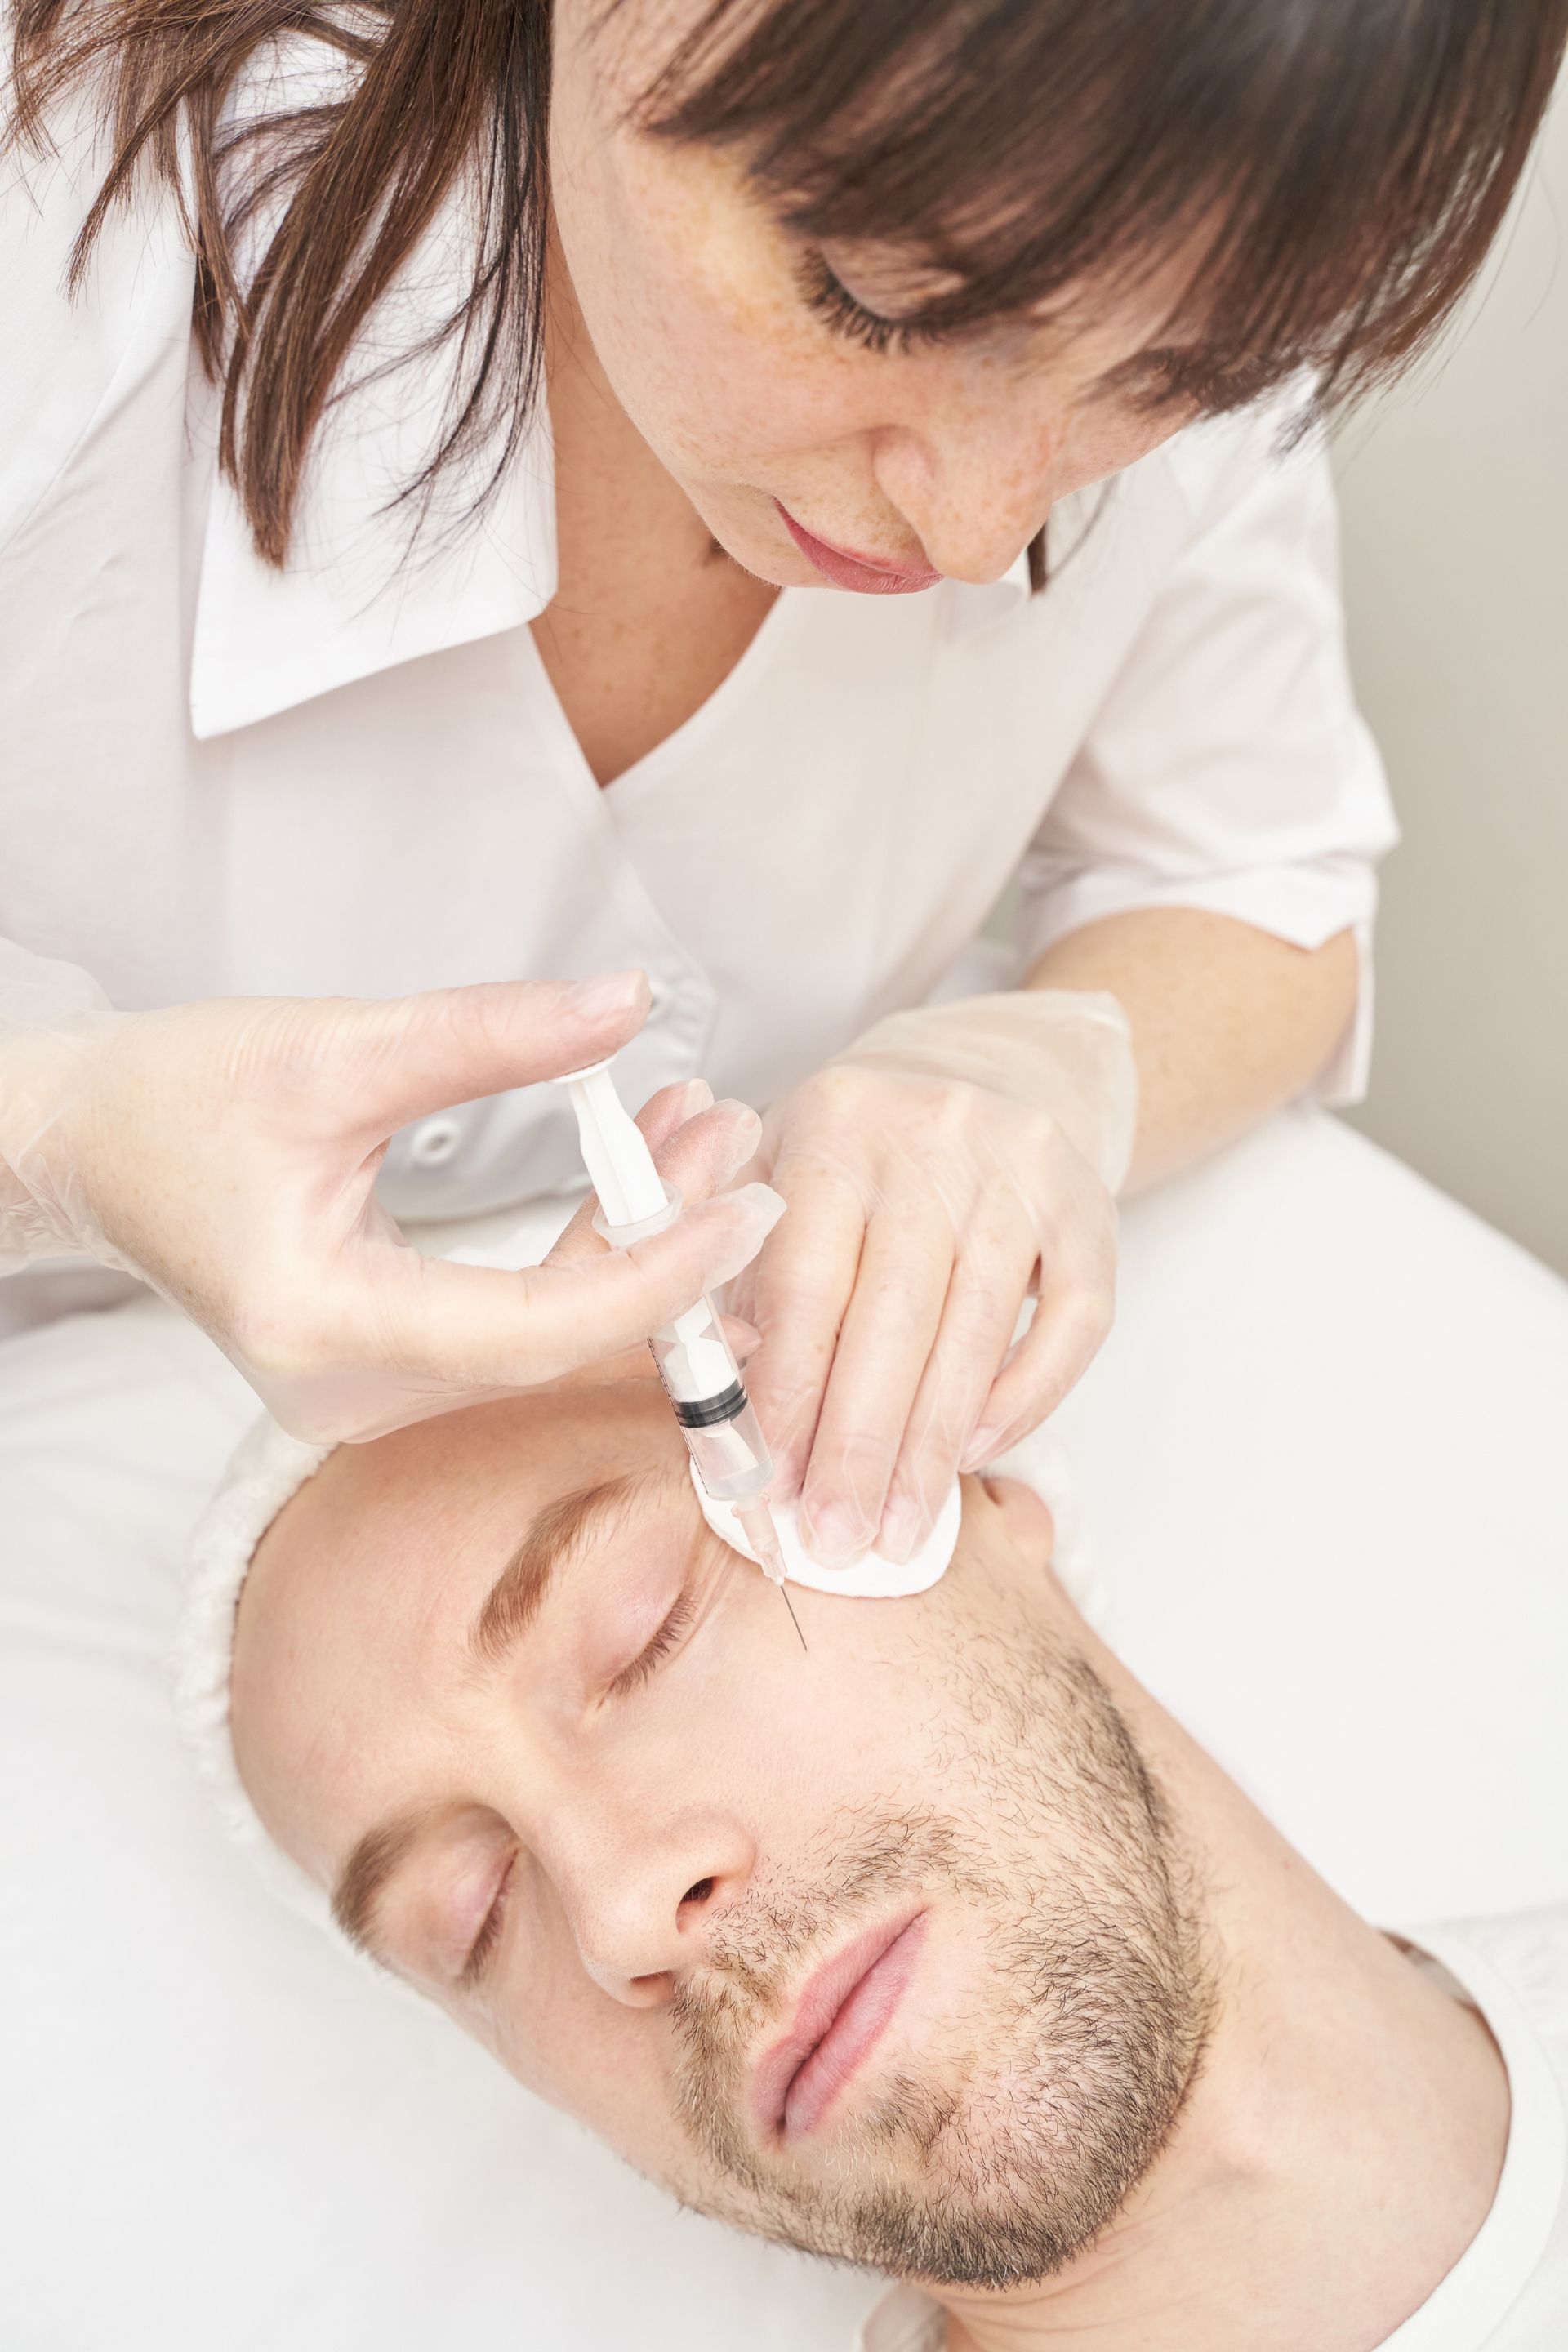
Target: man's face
879,1949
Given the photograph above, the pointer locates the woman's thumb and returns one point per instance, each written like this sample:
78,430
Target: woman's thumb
475,1328
400,1060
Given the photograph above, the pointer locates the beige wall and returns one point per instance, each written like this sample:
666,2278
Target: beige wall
1455,535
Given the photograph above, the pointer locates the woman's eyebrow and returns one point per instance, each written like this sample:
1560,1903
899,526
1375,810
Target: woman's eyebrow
562,1531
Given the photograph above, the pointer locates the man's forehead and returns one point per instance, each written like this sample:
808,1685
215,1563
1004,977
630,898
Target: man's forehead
443,1482
362,1596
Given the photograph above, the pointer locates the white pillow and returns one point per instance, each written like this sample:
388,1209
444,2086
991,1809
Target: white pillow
1323,1465
1325,1485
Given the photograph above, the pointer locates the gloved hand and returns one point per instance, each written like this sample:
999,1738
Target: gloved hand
952,1161
227,1152
697,1145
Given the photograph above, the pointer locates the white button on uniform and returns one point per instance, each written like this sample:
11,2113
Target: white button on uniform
432,1145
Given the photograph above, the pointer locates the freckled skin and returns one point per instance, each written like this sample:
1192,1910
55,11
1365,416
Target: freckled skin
688,289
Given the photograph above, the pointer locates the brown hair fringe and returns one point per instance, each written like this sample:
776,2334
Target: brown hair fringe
1337,168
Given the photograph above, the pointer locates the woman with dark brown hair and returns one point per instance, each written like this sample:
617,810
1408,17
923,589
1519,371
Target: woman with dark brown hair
422,423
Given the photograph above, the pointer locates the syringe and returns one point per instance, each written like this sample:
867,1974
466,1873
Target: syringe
695,1362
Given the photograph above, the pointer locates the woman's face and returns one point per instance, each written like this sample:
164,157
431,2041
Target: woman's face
766,392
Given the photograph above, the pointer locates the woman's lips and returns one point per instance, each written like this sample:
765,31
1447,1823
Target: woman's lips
861,572
838,2018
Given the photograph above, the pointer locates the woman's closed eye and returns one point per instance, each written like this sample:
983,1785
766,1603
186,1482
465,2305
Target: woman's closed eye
830,299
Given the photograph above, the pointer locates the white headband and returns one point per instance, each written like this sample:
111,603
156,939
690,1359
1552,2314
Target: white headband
267,1468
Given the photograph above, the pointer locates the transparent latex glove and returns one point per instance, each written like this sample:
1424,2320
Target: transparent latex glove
227,1152
952,1162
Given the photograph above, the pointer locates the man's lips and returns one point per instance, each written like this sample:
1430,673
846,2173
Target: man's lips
862,573
840,2015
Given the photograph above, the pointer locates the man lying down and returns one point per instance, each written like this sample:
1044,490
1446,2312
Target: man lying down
940,1946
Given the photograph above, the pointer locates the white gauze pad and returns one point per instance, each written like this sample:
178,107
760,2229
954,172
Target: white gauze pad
872,1578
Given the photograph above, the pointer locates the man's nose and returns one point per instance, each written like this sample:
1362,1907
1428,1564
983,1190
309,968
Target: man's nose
977,487
641,1892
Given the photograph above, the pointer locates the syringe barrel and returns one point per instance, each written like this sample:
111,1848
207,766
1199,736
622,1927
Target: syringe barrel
731,1456
702,1381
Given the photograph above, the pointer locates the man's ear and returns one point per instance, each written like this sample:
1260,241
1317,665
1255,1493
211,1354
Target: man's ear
1025,1529
1029,1519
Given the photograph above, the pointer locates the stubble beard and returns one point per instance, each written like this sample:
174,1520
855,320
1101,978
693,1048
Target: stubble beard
1010,2152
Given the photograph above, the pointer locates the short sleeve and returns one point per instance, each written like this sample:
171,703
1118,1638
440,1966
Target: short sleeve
1227,767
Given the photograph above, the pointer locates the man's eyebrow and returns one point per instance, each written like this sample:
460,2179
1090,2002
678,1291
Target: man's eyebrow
366,1872
561,1533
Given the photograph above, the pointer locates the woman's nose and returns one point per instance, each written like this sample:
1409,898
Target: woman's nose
641,1896
977,492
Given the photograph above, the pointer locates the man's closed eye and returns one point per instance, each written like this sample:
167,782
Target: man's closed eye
667,1637
664,1639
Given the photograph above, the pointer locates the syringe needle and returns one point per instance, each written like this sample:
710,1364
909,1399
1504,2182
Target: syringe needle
789,1605
757,1526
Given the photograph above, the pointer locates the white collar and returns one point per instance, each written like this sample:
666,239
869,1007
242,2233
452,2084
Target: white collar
353,602
359,595
971,608
353,598
1474,2300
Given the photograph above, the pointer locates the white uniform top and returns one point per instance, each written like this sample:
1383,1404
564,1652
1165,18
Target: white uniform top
355,778
1508,2291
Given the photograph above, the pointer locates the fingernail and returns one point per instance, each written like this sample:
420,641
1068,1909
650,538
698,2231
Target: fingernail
745,1130
835,1537
785,1487
696,1097
732,1227
606,993
762,1206
904,1528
